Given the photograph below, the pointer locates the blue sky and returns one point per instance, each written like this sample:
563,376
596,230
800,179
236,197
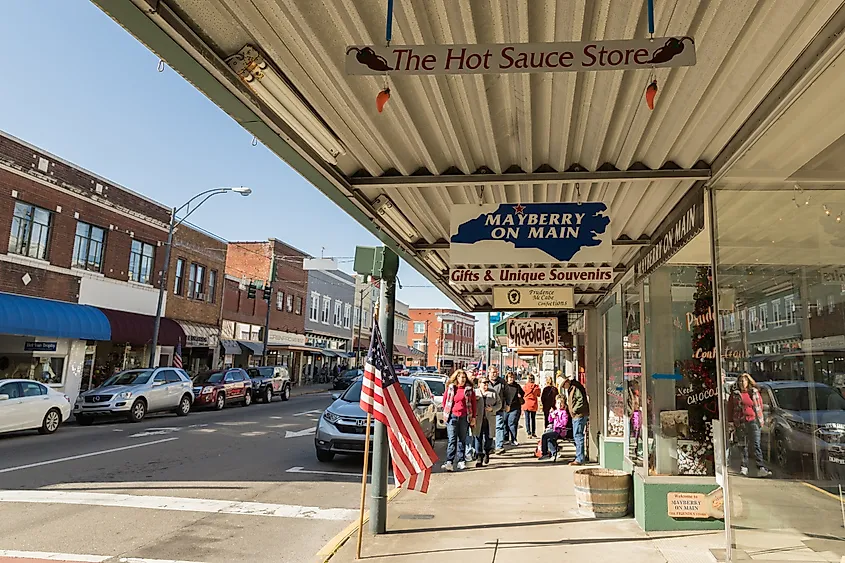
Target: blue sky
79,86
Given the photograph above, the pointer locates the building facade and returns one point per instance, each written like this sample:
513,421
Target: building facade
445,336
328,325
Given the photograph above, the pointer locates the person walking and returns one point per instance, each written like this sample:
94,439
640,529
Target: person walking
746,409
558,418
512,399
487,404
547,400
579,410
498,384
459,412
531,393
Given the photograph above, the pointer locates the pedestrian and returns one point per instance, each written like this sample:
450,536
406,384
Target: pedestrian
498,384
579,411
558,418
459,413
512,399
487,404
531,392
547,399
746,409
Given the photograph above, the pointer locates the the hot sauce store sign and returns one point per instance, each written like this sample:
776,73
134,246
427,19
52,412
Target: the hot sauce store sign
521,57
538,332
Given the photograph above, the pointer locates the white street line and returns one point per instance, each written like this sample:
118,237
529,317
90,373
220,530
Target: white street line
252,434
300,433
340,473
145,560
239,423
276,417
50,556
156,432
206,430
308,412
117,429
45,496
81,456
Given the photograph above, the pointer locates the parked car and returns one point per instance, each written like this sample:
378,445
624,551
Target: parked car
790,428
346,378
437,384
136,392
415,370
342,427
27,405
400,369
431,369
268,382
219,388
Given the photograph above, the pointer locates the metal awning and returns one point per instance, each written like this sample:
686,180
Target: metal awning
503,138
328,353
230,347
252,348
199,335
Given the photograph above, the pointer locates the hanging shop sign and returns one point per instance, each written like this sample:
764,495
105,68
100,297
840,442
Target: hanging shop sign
530,276
579,56
538,332
530,232
688,221
696,505
525,298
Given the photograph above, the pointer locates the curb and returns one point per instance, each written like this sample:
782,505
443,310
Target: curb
310,392
333,545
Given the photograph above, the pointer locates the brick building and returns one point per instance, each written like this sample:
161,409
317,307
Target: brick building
446,336
243,319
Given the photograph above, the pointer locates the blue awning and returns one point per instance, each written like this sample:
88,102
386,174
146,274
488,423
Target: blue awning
32,316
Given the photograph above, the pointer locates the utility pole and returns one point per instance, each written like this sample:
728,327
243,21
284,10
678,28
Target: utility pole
269,301
425,340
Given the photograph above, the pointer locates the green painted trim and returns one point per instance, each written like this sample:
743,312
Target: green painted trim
146,31
612,454
650,507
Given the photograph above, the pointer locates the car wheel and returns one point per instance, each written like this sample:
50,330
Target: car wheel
51,422
782,455
248,398
184,406
268,394
221,401
138,411
324,456
83,420
286,393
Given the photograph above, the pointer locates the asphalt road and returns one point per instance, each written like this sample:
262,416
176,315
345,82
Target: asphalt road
210,487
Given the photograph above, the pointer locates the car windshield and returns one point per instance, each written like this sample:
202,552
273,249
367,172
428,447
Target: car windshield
798,399
210,377
260,372
352,373
438,388
131,377
353,394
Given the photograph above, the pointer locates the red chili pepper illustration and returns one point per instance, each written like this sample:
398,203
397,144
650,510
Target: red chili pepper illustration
670,50
650,93
382,98
370,58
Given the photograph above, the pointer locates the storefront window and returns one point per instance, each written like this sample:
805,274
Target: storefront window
632,365
47,370
614,382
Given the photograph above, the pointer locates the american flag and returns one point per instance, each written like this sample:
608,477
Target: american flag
383,397
177,356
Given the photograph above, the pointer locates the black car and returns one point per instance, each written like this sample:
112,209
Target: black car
346,378
270,381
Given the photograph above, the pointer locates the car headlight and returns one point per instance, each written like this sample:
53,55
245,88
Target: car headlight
207,390
331,417
125,395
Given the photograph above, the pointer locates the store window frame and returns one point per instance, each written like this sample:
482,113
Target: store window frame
30,235
89,251
141,262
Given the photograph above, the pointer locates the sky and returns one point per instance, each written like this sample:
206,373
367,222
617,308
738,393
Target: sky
79,86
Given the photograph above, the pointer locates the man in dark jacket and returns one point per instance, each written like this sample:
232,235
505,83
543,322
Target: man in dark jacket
512,401
579,410
498,384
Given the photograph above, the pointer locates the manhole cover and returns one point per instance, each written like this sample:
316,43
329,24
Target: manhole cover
416,516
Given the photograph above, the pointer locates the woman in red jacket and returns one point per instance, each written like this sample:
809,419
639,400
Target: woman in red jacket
459,413
532,393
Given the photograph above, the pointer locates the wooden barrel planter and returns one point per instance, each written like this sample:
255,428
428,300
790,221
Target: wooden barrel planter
603,493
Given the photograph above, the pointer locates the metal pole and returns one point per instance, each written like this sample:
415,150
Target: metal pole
427,360
378,504
489,340
162,288
360,322
269,301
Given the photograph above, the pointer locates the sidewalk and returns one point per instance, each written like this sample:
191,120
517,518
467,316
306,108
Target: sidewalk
516,510
299,390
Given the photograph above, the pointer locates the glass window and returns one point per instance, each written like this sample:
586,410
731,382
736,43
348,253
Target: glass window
298,305
831,303
419,327
172,377
752,319
13,390
448,328
776,318
448,347
212,286
45,369
88,245
280,300
347,315
199,281
289,303
32,389
30,231
763,319
327,306
141,258
789,309
160,377
179,279
338,315
315,306
632,365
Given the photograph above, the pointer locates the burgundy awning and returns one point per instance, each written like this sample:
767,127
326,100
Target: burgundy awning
137,330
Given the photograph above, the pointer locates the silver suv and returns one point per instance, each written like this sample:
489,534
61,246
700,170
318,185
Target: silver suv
134,393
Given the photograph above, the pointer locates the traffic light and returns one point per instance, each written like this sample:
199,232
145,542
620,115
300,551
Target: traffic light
250,292
267,293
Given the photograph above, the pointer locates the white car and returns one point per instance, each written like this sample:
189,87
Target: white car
27,405
437,384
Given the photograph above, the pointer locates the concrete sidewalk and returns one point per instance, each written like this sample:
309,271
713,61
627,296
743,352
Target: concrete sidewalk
516,510
299,390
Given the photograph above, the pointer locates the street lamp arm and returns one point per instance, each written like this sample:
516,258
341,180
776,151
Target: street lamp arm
199,195
208,195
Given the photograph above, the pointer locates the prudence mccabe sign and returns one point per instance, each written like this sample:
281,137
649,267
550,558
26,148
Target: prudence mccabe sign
521,57
524,298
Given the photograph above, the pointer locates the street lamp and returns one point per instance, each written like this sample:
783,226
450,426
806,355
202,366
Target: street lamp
173,224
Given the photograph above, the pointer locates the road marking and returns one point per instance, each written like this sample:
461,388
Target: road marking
822,491
156,432
82,456
300,433
51,556
206,430
308,412
117,429
276,417
197,425
340,473
145,560
47,496
238,423
252,434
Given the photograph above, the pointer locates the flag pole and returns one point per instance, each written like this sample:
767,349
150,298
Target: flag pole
366,465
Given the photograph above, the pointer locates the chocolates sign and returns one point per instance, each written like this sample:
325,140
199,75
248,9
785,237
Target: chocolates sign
521,57
532,333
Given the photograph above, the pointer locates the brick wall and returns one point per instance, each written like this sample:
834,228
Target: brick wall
43,283
196,247
436,332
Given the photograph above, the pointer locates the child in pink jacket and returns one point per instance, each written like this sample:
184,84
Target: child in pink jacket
558,419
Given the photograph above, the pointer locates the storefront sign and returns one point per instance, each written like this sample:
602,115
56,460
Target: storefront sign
532,333
280,338
196,341
672,237
530,232
521,57
530,276
696,505
524,298
40,346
